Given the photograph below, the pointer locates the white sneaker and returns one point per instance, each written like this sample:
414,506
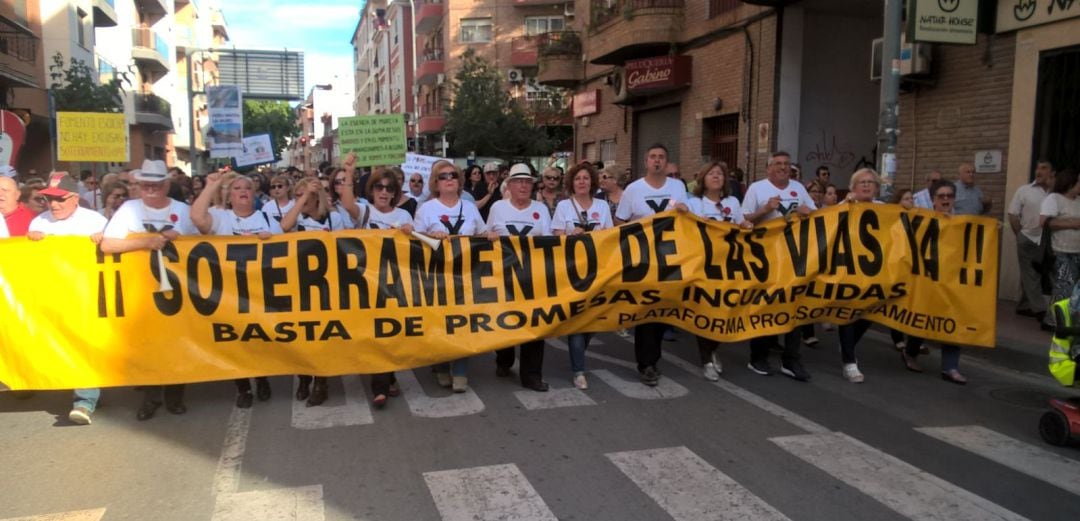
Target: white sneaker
715,357
852,374
810,341
79,416
580,382
460,384
625,334
901,345
443,379
827,326
710,372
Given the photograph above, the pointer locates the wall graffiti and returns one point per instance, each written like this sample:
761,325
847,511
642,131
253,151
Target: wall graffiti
828,152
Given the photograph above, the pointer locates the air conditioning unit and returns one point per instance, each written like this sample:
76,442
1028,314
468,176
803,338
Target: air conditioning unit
617,81
440,78
514,75
568,9
915,58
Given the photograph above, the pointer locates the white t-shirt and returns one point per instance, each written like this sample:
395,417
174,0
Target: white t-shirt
226,222
135,217
727,210
640,200
506,220
1026,204
331,222
83,222
1057,205
363,208
3,229
791,197
395,218
276,210
568,215
462,219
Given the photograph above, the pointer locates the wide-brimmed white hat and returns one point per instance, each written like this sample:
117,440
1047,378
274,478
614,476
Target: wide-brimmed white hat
152,171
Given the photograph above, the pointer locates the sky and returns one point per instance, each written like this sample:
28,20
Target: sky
322,30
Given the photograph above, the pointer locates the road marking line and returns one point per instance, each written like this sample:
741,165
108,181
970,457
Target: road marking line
227,475
1022,457
75,515
492,493
554,398
424,406
689,489
279,504
355,411
892,482
665,389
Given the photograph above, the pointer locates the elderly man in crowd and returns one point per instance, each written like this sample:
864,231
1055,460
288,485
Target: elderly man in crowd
16,216
970,199
1024,222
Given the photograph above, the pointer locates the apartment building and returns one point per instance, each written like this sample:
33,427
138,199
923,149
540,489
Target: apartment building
23,83
200,26
383,60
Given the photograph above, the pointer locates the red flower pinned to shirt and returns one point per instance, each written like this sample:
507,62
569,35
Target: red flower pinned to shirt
536,215
794,193
595,215
726,210
445,218
173,217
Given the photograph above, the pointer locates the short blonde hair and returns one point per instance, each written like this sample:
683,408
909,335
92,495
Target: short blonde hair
861,173
323,197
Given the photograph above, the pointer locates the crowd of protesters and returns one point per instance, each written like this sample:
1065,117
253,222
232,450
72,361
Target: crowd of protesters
495,200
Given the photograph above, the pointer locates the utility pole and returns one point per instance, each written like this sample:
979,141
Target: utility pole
889,115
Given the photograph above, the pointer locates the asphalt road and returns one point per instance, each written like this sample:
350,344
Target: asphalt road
901,445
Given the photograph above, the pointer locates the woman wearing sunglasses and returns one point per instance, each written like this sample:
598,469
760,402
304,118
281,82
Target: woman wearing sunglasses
448,215
550,192
343,197
580,213
281,200
712,202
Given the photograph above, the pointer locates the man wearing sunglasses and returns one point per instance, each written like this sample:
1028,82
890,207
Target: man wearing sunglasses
66,217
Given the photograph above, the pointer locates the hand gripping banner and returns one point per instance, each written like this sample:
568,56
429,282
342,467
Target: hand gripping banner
375,301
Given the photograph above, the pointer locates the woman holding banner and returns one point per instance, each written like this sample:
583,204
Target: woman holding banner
238,217
712,202
312,212
581,213
943,195
446,215
863,189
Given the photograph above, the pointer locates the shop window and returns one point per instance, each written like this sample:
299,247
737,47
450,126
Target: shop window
476,30
720,139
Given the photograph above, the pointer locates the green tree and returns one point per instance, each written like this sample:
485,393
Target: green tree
270,117
485,120
78,88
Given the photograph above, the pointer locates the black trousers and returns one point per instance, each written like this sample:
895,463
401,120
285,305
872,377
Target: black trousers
850,334
532,360
381,382
760,346
243,385
647,341
171,394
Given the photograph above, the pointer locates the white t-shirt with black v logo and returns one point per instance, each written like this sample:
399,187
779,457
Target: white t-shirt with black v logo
330,222
462,219
506,220
395,218
641,200
226,222
569,215
135,217
791,197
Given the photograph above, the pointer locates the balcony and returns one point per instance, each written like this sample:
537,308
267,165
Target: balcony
621,30
559,59
431,67
150,50
523,51
429,15
105,13
152,111
431,120
153,8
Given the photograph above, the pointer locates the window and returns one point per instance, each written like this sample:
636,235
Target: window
720,139
475,30
535,25
607,150
83,35
588,151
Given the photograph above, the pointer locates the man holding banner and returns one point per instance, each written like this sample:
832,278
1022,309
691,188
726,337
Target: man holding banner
652,194
166,219
66,217
777,197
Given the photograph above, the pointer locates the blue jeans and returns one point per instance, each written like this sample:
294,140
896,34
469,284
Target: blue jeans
459,367
87,399
577,344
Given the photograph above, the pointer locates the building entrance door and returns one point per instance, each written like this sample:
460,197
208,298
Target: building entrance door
1057,109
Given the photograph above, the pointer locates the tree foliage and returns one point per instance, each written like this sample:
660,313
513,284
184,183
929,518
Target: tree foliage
270,117
77,88
485,120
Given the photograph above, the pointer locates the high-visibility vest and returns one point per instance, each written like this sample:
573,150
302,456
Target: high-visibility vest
1062,365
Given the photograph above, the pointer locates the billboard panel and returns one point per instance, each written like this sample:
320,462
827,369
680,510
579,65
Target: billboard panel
277,75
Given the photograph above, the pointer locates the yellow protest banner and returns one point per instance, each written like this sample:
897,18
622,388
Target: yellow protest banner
372,301
91,136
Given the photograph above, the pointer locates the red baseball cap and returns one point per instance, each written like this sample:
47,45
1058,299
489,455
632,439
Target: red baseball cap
60,185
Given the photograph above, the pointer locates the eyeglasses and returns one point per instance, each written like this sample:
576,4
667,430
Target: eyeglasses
416,181
446,176
945,195
340,182
57,198
381,186
551,178
278,187
40,199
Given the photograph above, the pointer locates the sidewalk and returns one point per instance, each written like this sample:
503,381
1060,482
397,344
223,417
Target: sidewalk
1021,345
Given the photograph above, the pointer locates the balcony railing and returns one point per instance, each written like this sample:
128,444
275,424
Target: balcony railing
432,55
149,39
523,51
559,43
603,11
151,104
